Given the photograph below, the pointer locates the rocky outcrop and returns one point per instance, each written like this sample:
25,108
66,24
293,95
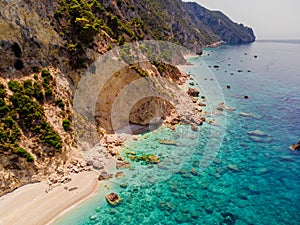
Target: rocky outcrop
193,92
39,34
113,199
47,39
295,146
27,38
228,31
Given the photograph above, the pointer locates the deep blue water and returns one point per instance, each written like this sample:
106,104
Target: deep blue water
257,179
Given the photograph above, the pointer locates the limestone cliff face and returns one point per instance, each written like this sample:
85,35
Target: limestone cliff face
37,33
131,98
27,39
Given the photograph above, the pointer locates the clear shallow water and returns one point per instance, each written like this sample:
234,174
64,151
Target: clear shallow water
258,182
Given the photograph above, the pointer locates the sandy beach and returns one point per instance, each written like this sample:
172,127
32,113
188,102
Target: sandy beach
32,205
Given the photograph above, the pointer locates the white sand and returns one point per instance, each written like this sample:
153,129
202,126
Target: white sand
31,205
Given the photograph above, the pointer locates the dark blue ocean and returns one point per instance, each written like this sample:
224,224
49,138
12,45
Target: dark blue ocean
253,178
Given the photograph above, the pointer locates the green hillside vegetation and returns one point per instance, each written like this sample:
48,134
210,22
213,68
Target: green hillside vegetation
81,22
23,111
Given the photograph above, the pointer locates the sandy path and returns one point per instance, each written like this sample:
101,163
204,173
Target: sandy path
31,205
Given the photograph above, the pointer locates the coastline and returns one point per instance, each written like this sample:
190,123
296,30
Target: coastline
19,207
32,205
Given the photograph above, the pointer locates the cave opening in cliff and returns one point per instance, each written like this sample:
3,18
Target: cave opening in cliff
17,50
130,103
19,64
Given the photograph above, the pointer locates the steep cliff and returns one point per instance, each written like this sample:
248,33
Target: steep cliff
221,25
45,47
72,34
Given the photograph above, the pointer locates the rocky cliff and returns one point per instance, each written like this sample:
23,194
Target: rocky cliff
228,31
45,47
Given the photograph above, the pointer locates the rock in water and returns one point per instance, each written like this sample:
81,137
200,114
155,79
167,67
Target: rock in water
245,114
194,127
262,139
257,133
122,164
104,176
153,159
228,218
113,198
295,146
168,142
193,92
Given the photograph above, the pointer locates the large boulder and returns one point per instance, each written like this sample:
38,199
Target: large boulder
113,198
98,165
193,92
104,176
122,164
153,159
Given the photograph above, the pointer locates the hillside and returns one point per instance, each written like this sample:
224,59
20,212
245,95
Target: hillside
45,47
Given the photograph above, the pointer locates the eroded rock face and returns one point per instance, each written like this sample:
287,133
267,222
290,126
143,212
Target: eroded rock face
130,98
25,43
149,110
220,24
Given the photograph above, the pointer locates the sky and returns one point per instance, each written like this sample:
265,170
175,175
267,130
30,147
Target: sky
270,19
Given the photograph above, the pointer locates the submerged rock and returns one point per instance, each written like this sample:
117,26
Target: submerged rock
245,114
113,198
259,136
179,218
194,172
261,139
168,142
123,185
233,167
257,133
162,166
122,164
119,174
223,107
93,217
228,218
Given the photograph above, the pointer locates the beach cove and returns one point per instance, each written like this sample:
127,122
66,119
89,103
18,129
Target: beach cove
254,175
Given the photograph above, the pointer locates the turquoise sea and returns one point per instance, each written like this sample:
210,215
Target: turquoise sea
254,178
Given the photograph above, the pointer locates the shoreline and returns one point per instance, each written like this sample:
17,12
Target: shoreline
18,207
78,202
32,205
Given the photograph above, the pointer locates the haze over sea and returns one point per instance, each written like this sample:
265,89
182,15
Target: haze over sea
254,177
